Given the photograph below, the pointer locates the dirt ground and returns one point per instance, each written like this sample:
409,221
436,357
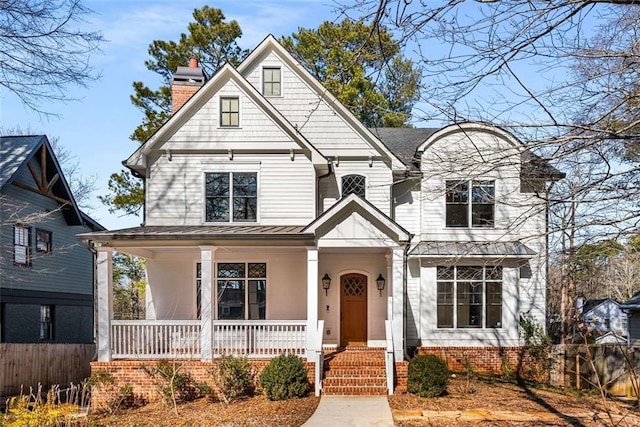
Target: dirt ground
480,401
495,402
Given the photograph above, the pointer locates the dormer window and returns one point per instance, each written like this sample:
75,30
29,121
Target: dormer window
353,184
271,81
470,204
230,112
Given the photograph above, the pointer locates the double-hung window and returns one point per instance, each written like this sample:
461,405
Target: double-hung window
43,241
46,322
230,111
231,196
22,245
271,81
470,203
242,290
469,297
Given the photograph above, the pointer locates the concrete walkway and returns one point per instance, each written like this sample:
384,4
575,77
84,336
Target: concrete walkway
351,411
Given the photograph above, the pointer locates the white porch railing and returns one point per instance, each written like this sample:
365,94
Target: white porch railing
155,339
181,339
259,338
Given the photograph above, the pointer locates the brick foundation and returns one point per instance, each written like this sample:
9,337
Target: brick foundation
492,360
131,373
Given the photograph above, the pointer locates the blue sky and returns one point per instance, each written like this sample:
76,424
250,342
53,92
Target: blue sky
96,128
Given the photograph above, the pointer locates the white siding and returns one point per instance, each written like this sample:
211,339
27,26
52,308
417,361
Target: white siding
378,184
310,113
407,204
175,190
172,285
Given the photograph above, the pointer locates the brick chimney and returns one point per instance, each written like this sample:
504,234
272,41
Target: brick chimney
186,81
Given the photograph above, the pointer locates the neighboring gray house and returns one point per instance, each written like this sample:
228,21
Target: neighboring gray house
632,307
604,318
46,275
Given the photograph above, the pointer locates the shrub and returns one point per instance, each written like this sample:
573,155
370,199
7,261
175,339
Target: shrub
285,377
233,377
114,397
428,376
175,386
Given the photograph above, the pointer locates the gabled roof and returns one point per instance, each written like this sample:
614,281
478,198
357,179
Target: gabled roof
17,151
593,303
356,203
271,44
225,74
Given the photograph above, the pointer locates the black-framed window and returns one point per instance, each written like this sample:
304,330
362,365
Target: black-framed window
231,196
470,203
271,81
354,184
43,241
46,322
469,297
229,111
242,290
22,245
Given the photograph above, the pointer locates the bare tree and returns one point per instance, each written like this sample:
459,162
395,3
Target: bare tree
44,50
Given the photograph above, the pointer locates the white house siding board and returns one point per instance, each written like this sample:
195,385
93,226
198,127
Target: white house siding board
172,281
311,114
338,264
69,266
256,131
407,205
378,184
506,336
175,190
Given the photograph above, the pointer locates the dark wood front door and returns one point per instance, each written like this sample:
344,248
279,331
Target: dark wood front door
353,309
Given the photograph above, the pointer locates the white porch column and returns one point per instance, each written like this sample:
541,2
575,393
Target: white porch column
397,284
104,276
312,298
206,302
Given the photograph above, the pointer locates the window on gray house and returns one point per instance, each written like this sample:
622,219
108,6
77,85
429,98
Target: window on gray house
22,245
229,112
43,241
470,203
46,322
469,297
354,184
242,291
271,81
231,196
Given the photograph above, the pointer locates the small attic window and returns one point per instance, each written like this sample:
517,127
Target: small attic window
353,184
230,112
271,81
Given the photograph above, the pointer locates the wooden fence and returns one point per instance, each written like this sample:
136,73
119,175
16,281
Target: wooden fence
615,367
27,365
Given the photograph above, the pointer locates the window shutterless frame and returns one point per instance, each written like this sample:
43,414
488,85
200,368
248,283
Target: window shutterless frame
271,81
470,204
231,197
44,241
22,245
229,111
241,290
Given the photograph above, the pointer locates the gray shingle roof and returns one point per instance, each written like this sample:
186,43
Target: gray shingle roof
633,302
474,249
403,142
14,151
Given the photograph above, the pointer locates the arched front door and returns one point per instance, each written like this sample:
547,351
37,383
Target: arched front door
353,309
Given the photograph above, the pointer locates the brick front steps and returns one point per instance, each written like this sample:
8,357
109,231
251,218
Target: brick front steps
355,371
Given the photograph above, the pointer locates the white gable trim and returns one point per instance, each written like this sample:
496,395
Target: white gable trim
270,43
208,91
350,204
470,127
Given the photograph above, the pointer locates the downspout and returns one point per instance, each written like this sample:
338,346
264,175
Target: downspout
330,164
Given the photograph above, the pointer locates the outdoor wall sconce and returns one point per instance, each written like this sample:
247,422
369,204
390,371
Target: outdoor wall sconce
380,282
326,283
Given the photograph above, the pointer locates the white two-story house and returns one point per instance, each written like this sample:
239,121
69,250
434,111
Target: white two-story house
276,222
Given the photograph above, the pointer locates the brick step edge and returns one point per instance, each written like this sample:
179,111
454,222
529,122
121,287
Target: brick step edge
356,363
354,391
351,382
341,370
